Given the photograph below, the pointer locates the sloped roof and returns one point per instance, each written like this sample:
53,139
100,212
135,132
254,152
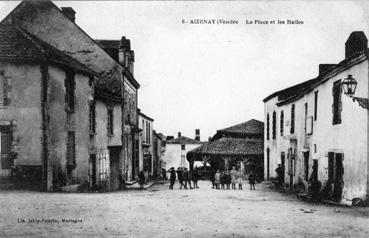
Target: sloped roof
230,146
184,140
17,44
250,127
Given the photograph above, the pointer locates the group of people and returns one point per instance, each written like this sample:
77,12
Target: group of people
224,179
184,177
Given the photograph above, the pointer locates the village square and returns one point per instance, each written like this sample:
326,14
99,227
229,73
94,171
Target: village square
93,142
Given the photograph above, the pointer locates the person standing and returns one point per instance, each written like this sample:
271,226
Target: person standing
217,178
252,178
240,179
195,177
164,173
228,179
122,182
233,177
187,178
212,177
222,179
172,178
279,172
180,177
141,179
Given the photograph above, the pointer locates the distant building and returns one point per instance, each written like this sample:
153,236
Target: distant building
315,132
240,146
146,145
176,151
158,151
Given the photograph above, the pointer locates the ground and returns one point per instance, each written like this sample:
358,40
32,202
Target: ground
159,212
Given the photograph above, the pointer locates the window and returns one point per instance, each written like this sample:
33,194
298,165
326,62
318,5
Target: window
5,147
4,90
268,127
71,149
306,112
110,121
183,147
292,128
337,103
70,87
282,123
92,118
274,124
315,105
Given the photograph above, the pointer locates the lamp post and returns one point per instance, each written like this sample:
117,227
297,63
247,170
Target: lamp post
349,87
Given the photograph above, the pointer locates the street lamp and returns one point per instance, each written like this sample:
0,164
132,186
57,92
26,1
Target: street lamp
349,87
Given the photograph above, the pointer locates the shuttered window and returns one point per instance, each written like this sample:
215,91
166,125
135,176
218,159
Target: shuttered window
315,105
110,122
292,128
70,86
4,90
337,103
5,147
92,118
282,123
274,124
71,149
268,127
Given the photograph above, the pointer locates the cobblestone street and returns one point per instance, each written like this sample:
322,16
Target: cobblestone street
159,212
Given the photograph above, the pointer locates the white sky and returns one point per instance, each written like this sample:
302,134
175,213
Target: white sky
214,76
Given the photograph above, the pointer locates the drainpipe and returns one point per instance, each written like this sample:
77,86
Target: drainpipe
46,166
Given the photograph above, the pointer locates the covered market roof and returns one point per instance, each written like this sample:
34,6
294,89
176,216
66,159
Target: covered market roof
230,146
184,140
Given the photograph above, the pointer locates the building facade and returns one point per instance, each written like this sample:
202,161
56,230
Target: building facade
316,132
176,151
97,130
44,93
146,142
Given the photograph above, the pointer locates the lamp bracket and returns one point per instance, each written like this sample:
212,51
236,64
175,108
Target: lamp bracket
363,102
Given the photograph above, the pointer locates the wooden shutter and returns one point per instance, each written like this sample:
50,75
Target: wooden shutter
5,148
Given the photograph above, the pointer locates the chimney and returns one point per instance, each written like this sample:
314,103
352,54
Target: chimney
122,50
69,13
325,67
179,134
197,134
356,42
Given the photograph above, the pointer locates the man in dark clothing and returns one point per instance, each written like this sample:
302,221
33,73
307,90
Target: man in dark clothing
172,177
252,178
187,178
164,174
180,176
195,177
279,172
228,179
141,177
122,183
212,177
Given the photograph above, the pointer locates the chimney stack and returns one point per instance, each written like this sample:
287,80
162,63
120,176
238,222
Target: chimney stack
197,134
325,67
356,42
122,50
69,13
179,134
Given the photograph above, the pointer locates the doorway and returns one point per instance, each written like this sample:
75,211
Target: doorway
335,174
114,153
306,165
93,171
283,164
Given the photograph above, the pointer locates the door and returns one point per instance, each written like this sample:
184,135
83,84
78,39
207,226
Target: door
5,150
338,181
93,170
114,168
283,164
268,162
306,165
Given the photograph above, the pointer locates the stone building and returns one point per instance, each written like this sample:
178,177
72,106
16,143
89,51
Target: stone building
146,146
110,126
43,94
176,150
239,146
158,151
316,132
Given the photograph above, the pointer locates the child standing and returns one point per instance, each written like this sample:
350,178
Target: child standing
252,178
240,179
217,177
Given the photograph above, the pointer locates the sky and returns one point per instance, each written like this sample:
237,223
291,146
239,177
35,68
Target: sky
212,76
